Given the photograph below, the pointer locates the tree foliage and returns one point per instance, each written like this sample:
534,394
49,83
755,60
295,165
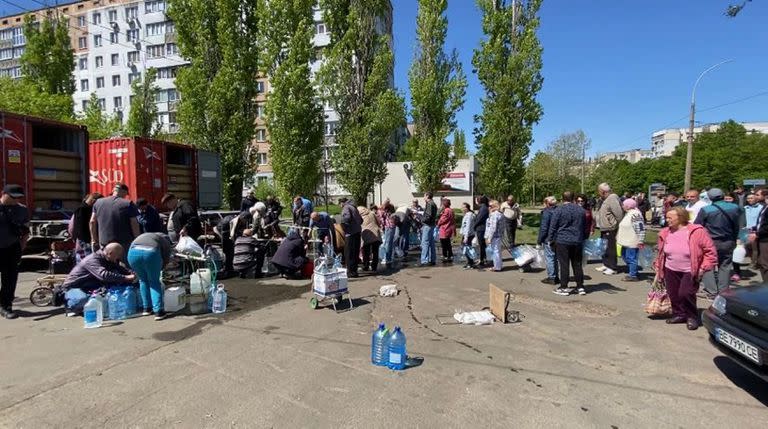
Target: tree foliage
218,88
294,117
142,118
48,60
100,126
460,145
508,64
356,78
567,152
437,86
23,97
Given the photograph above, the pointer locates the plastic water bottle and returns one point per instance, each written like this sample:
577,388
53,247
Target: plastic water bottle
128,298
116,306
397,353
93,312
219,300
380,346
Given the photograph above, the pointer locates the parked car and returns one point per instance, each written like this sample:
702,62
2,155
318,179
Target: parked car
737,322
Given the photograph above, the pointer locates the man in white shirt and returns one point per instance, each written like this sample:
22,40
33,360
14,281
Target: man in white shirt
694,203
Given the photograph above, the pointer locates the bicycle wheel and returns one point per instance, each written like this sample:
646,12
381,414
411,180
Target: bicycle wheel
41,297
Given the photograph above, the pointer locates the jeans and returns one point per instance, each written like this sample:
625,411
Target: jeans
9,274
352,252
404,239
630,258
76,299
147,263
389,244
428,249
551,257
371,255
681,290
724,261
496,249
609,257
571,254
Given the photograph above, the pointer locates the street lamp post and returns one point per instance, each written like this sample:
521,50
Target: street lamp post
689,152
325,177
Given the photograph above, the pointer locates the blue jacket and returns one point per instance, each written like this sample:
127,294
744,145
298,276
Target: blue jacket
567,225
150,220
721,219
546,219
480,219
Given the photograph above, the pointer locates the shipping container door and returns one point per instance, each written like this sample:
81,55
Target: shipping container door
208,180
14,138
111,161
150,171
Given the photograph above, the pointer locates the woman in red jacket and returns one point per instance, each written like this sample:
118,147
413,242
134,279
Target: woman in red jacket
447,229
686,252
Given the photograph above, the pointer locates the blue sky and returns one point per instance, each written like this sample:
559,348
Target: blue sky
618,69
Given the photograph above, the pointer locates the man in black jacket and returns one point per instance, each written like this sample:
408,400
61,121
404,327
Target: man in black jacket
760,236
14,232
184,220
248,202
428,249
566,229
291,256
479,227
550,206
79,226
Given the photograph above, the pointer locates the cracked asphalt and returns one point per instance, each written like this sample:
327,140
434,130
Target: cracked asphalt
578,362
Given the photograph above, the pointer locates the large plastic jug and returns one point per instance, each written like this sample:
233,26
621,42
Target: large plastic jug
129,298
174,299
200,281
219,304
397,354
116,306
93,312
380,346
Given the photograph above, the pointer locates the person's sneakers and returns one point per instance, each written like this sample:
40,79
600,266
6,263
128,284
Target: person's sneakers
735,278
8,313
146,312
71,314
468,267
601,268
564,291
631,279
550,281
582,291
161,315
609,272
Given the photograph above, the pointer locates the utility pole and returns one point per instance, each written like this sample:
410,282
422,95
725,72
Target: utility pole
689,152
583,160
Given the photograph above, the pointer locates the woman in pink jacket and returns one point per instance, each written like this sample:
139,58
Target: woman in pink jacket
447,229
685,253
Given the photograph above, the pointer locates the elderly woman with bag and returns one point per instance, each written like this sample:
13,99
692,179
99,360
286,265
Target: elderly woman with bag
631,237
447,229
493,232
685,253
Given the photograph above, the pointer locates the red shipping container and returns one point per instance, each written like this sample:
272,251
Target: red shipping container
149,167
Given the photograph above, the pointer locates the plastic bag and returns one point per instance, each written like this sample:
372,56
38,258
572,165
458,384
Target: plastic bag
645,257
398,252
658,302
388,290
540,261
594,248
469,252
523,254
483,317
188,246
739,254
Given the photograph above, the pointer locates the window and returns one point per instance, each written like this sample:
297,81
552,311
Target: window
113,38
116,80
18,52
167,72
133,57
171,49
155,51
161,97
261,158
99,82
131,13
261,135
85,104
133,76
260,86
112,16
97,18
84,85
82,63
81,21
132,36
154,6
170,27
173,95
155,29
118,102
6,34
115,59
97,40
320,28
99,62
82,42
260,111
330,128
102,104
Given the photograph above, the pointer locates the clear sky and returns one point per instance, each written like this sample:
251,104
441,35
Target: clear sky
618,69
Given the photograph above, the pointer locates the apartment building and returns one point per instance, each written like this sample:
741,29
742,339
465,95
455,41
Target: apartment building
632,155
664,142
115,42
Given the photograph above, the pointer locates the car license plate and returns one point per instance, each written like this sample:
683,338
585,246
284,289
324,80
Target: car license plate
738,345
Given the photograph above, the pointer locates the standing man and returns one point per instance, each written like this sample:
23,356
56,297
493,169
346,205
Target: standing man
550,206
302,209
428,249
149,218
721,220
759,237
608,218
248,201
566,229
79,226
114,220
694,204
511,211
13,239
480,220
184,220
351,222
404,214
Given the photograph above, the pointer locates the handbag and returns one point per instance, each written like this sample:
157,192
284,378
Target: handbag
658,302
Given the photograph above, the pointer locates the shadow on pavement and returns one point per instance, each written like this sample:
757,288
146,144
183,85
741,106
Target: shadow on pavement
742,378
605,287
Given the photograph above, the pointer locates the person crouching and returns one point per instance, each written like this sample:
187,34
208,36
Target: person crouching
291,256
248,255
99,269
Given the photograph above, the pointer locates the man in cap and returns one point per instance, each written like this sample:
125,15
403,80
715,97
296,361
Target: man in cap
184,220
13,238
114,220
721,219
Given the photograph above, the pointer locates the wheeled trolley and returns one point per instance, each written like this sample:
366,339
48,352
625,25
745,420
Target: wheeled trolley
329,285
42,295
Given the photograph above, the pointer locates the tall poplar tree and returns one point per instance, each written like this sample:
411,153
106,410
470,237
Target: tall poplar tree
508,64
460,145
438,86
356,78
218,88
294,117
100,125
142,117
48,60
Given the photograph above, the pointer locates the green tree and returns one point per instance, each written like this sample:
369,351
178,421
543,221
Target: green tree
460,145
541,178
508,64
356,79
23,97
218,88
437,86
48,60
142,119
100,126
294,117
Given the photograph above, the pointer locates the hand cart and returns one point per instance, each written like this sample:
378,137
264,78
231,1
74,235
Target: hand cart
42,295
329,282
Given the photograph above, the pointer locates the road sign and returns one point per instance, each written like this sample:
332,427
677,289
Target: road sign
754,182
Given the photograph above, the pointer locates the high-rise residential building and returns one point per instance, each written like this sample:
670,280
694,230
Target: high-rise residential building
664,142
632,155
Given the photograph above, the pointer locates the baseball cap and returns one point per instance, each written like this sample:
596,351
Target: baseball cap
715,194
16,191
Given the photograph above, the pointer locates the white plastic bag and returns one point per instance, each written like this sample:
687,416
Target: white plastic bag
739,254
388,290
189,246
523,254
540,261
483,317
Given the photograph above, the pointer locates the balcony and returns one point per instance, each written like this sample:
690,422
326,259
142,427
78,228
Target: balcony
170,37
9,63
173,106
7,43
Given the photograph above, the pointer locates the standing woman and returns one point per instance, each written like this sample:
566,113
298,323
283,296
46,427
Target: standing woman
685,253
79,229
371,237
589,219
493,233
148,254
447,226
631,237
467,235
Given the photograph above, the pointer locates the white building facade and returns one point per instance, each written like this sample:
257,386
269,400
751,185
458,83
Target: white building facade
664,142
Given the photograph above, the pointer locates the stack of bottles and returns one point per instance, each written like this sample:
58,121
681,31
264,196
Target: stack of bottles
122,302
388,348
